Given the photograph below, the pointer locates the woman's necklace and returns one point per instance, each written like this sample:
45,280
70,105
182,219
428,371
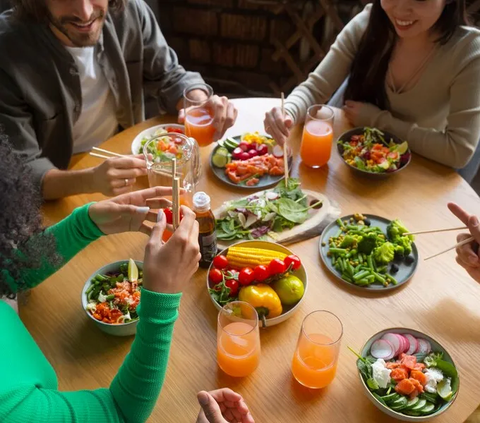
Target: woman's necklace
419,68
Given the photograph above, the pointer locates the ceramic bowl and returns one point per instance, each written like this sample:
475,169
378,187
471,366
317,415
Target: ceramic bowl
148,133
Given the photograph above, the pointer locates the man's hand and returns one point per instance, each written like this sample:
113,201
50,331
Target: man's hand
223,406
117,175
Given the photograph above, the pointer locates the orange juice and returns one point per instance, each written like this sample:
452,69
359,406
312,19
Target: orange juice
316,143
314,366
238,349
199,125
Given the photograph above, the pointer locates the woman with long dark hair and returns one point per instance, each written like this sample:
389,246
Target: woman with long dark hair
413,69
29,254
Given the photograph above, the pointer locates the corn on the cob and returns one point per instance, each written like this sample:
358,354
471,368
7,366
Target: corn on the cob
241,257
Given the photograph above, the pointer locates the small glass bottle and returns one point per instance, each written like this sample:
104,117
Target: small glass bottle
207,237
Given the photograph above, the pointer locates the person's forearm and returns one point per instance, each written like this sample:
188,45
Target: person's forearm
62,183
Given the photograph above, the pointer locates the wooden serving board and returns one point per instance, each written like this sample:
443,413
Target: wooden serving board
317,221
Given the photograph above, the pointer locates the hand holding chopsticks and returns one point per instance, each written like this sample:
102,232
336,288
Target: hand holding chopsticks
117,174
175,196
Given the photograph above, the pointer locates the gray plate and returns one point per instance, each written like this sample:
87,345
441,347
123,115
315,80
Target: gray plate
265,181
359,131
404,274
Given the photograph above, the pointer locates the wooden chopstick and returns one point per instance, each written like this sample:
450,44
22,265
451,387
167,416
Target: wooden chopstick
460,228
101,150
175,196
101,156
459,244
285,147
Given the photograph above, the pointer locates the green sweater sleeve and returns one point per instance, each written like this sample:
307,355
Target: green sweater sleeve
132,395
72,235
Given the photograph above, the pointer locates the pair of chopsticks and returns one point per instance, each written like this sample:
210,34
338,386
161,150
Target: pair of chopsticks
285,149
430,231
175,196
102,156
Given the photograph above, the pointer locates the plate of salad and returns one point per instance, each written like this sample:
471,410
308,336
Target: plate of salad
155,131
248,161
407,374
369,252
373,152
284,214
111,295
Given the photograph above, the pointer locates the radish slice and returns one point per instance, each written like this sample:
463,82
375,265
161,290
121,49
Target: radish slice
424,346
277,151
413,344
382,349
395,341
405,343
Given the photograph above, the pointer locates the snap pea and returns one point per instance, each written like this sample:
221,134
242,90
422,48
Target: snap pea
340,251
382,269
340,223
379,278
350,270
342,264
334,260
370,263
100,278
392,279
90,288
110,297
362,282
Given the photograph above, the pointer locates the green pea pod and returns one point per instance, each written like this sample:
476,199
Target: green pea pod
361,275
110,297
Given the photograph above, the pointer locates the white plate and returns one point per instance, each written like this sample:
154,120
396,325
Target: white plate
149,133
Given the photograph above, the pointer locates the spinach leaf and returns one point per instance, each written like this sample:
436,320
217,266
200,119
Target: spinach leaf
291,210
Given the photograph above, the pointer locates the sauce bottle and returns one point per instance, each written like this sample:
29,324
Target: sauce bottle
207,237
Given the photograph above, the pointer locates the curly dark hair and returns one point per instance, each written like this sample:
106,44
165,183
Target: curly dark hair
36,10
20,219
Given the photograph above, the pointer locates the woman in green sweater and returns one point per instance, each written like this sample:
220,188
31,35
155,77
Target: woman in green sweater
28,255
413,69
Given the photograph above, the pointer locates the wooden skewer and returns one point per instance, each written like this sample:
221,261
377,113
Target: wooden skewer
285,147
101,156
101,150
460,228
465,241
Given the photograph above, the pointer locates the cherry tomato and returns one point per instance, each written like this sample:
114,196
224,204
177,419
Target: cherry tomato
233,285
277,266
169,215
172,129
215,276
294,261
261,273
246,276
220,262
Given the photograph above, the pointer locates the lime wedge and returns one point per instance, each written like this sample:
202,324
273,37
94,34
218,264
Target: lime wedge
402,148
132,271
444,389
219,161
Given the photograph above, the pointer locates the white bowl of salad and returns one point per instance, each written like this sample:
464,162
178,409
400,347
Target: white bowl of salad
111,295
407,374
143,137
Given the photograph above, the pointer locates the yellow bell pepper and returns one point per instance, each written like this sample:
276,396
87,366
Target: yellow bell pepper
263,298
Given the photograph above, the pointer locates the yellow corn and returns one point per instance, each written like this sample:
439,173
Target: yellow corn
241,257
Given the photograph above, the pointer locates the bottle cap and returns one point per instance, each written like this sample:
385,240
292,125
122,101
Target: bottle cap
201,201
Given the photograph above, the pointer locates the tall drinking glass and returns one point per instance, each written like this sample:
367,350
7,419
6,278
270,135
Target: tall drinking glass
315,360
199,114
159,153
238,339
317,136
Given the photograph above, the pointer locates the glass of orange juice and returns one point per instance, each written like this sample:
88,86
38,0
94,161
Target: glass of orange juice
317,136
199,114
315,360
238,339
159,153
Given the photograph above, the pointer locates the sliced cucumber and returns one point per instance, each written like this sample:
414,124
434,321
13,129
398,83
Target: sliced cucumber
222,151
412,413
231,144
428,408
399,404
419,405
390,398
219,160
412,403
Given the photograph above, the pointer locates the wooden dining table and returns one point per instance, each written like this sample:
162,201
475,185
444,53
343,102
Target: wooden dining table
441,300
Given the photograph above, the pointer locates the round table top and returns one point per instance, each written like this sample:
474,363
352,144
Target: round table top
441,300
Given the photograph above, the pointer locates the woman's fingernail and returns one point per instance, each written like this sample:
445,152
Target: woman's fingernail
160,215
474,221
143,210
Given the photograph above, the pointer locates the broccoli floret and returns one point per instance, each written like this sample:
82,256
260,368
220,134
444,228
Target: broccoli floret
399,250
385,253
351,241
406,243
368,243
396,229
